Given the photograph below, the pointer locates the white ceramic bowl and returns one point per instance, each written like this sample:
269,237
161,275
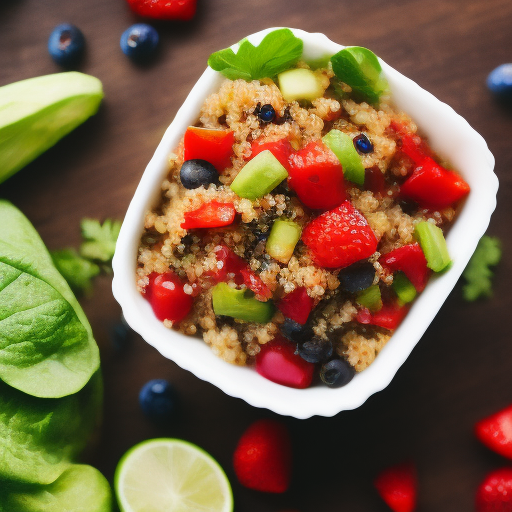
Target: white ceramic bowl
449,134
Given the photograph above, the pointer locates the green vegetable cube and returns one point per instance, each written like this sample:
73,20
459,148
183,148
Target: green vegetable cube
241,304
403,288
370,298
259,176
282,240
433,244
299,84
342,146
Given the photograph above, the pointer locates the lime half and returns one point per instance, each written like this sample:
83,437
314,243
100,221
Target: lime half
171,475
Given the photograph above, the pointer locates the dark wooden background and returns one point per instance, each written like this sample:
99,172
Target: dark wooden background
462,368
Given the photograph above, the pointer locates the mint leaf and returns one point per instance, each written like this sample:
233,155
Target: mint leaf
77,271
477,274
278,51
99,239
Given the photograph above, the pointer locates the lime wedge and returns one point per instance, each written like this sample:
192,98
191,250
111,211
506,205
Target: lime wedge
171,475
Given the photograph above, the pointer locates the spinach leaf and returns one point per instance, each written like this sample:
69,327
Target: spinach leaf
46,344
278,51
80,488
40,437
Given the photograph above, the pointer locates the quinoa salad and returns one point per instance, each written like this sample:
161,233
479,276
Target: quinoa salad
300,216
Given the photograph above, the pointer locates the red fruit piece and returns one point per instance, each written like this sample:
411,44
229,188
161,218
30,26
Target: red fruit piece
316,176
374,180
210,215
495,493
278,362
389,316
164,9
263,457
411,261
496,432
167,298
397,486
281,149
339,237
214,146
296,305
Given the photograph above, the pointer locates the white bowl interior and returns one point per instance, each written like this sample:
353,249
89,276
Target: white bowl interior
449,134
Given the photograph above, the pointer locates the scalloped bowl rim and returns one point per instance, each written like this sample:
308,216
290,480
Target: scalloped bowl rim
449,134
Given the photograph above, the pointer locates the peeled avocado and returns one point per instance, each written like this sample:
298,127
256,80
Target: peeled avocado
36,113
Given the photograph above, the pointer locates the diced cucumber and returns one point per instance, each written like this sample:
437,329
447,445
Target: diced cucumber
299,84
282,240
433,244
360,68
241,304
259,176
370,298
403,288
342,146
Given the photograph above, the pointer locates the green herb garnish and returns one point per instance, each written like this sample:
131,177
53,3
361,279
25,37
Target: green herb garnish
77,271
280,50
477,274
100,239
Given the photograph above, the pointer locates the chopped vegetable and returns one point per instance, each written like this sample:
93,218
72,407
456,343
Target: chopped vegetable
296,305
281,149
477,274
433,244
278,51
214,146
360,68
75,269
282,240
343,147
240,304
210,215
259,176
99,239
370,298
166,294
299,84
389,317
404,289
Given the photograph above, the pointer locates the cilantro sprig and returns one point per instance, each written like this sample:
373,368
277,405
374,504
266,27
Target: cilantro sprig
478,274
278,51
77,271
99,239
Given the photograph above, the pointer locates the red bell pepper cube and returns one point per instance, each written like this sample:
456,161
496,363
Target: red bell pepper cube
214,146
210,215
389,316
411,261
374,180
316,176
296,305
281,149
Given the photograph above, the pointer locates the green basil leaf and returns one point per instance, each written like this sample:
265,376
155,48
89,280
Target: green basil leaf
80,488
46,344
278,51
39,438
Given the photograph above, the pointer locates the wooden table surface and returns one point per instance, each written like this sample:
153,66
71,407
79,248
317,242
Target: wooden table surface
459,372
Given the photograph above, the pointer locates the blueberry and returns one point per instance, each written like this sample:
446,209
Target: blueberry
66,44
336,373
139,41
197,173
363,144
315,350
357,277
296,332
267,113
158,400
499,81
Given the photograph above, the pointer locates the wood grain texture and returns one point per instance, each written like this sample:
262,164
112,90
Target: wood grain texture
461,369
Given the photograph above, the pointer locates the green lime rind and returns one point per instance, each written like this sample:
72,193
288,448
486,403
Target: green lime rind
156,499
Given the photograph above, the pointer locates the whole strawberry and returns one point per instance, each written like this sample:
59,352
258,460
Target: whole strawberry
495,492
496,432
397,486
262,459
164,9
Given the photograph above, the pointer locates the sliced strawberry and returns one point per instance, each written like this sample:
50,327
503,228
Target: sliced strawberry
214,146
263,457
281,149
495,492
339,237
296,305
389,316
316,176
397,486
210,215
411,261
496,432
164,9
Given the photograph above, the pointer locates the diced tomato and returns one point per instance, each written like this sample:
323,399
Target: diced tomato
411,261
340,237
210,215
296,305
214,146
316,176
433,186
410,144
281,149
374,180
167,298
389,316
233,264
